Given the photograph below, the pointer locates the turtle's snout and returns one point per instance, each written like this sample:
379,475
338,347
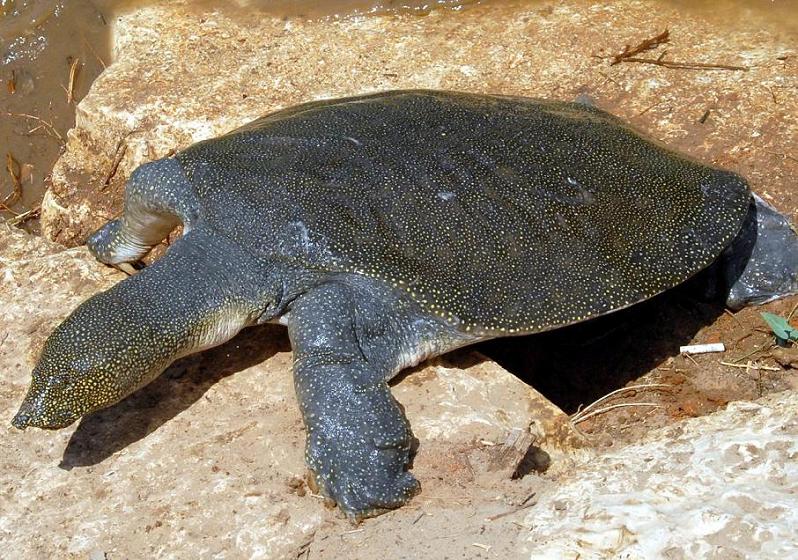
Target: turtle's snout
41,410
22,419
100,354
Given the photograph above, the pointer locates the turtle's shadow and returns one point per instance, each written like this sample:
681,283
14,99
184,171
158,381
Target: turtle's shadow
100,435
576,365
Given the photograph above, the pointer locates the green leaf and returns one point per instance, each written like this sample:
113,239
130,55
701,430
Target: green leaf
780,327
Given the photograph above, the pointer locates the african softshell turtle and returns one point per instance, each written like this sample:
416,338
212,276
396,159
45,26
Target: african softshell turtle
388,228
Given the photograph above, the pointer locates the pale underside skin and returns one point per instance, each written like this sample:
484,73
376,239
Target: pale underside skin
352,326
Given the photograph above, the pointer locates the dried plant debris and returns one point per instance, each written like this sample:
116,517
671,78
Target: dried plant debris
646,45
73,73
629,55
12,167
47,126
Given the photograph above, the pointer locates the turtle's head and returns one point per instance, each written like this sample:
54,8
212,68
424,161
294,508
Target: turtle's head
101,353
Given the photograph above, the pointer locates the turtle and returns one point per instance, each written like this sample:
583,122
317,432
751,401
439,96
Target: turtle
385,229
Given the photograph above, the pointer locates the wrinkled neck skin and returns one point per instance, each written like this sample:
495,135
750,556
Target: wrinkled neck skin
204,291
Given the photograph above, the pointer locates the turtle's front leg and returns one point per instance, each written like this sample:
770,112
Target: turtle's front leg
358,440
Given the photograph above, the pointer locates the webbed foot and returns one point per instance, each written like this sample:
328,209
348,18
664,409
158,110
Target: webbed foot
358,444
360,452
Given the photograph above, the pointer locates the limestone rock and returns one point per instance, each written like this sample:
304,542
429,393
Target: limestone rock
721,486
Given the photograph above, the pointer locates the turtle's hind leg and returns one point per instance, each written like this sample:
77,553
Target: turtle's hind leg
158,197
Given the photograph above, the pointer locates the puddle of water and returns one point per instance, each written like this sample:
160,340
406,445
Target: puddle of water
41,40
774,16
50,52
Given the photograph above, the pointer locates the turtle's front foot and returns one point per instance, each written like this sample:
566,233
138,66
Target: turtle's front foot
358,443
358,450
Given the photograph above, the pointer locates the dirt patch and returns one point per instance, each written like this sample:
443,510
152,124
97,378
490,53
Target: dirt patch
576,366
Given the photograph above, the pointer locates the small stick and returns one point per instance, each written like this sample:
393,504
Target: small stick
576,417
525,500
119,153
5,208
702,348
792,312
526,504
689,357
684,65
484,547
97,56
751,353
73,72
647,109
16,194
733,316
24,217
611,407
748,365
646,45
43,122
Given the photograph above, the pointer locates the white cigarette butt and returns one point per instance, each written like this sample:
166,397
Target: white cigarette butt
702,348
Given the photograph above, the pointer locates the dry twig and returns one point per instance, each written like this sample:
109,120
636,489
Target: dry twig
733,316
525,504
578,417
612,407
751,366
42,124
647,45
629,55
687,65
94,52
659,61
24,217
13,171
73,73
119,153
751,353
689,357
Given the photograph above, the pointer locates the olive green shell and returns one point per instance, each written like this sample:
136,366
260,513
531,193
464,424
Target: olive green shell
499,214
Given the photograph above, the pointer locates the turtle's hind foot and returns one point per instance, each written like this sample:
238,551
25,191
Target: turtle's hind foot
110,245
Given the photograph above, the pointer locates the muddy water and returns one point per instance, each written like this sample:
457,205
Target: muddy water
52,50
